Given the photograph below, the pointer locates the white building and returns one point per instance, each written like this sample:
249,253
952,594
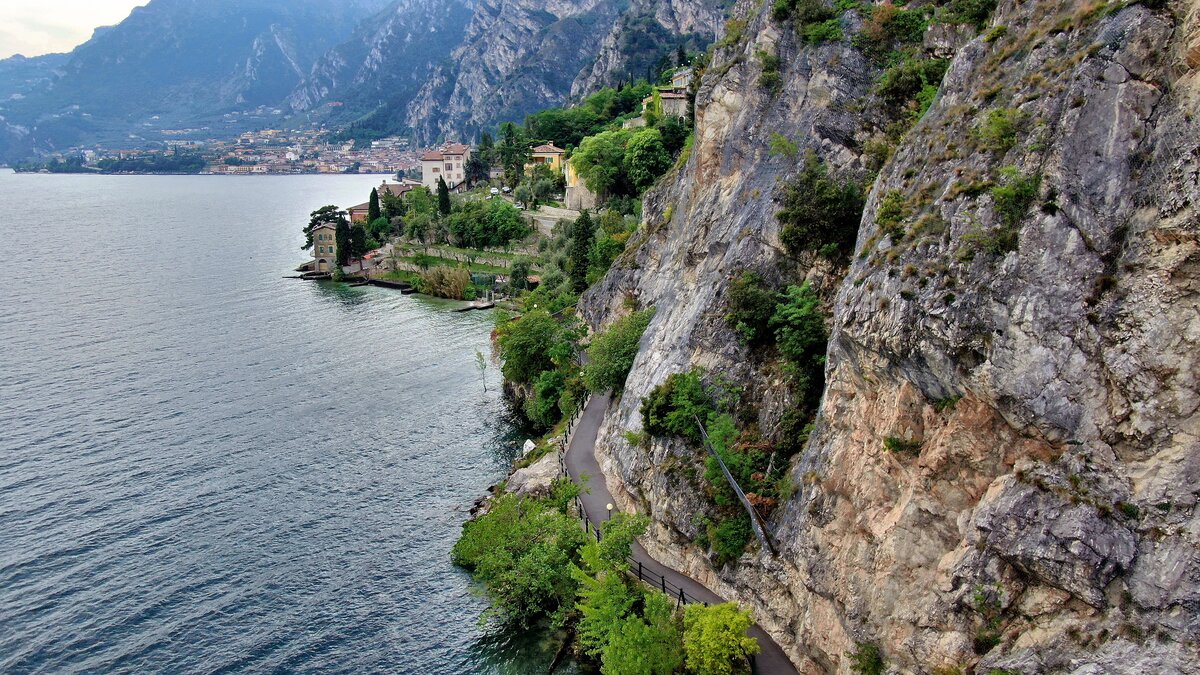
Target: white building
449,163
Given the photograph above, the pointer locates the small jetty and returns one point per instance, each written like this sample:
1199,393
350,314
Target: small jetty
402,286
476,304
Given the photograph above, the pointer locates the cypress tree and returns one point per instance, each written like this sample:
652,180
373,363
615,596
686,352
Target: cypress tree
341,238
582,233
373,212
443,197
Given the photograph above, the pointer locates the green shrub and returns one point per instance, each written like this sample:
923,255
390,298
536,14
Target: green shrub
866,659
611,353
782,145
751,306
948,403
897,445
646,645
770,79
672,408
973,12
715,640
999,129
799,326
1015,194
824,31
819,210
890,27
803,11
729,539
890,215
522,551
912,84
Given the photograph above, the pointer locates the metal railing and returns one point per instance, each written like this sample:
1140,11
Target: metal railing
635,568
756,522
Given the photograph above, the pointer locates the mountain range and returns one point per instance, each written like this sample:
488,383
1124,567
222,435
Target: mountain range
433,68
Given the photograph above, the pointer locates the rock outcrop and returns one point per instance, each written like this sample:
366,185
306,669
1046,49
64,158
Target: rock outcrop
1044,357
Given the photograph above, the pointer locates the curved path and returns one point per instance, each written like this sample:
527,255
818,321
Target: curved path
580,460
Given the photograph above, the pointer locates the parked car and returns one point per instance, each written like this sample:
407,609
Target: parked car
495,191
507,189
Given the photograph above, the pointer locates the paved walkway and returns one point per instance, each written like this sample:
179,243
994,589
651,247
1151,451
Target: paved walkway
581,459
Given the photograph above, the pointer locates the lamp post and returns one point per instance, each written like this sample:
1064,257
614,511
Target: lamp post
609,506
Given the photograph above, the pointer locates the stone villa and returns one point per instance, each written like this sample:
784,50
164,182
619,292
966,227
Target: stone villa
449,163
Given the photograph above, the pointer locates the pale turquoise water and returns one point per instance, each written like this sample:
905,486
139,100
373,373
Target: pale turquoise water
205,467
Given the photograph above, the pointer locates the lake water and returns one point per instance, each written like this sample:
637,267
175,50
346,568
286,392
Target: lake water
205,467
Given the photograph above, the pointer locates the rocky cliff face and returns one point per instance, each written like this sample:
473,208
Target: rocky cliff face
389,56
623,55
1056,499
520,56
517,57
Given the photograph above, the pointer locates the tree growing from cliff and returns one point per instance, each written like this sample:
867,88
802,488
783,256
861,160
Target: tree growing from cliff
819,210
582,233
611,354
373,212
799,327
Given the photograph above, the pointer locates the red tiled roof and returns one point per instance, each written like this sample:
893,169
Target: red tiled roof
455,149
549,149
432,156
671,94
397,189
361,207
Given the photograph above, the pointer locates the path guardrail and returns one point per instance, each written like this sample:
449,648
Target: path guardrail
635,567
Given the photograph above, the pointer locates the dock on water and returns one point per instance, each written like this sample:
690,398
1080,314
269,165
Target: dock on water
476,304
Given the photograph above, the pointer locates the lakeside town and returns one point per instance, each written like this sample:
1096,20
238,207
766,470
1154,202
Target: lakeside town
263,152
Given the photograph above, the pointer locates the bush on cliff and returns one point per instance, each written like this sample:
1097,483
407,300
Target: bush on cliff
819,210
611,354
751,305
672,408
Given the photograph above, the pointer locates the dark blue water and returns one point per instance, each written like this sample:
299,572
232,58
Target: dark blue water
205,467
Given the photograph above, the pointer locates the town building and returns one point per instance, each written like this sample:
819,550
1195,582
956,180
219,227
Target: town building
360,213
324,247
579,197
548,155
448,163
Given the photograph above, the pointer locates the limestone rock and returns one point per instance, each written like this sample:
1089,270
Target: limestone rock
536,479
1064,483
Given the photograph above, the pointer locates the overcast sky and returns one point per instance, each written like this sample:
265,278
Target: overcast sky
33,27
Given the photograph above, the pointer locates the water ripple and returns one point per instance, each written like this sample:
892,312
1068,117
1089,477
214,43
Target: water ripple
207,468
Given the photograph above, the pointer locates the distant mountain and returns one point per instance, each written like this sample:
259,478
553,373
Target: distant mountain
441,70
520,56
20,75
387,59
433,68
175,62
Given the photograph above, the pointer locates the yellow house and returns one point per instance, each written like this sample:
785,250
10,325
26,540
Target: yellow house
324,247
547,154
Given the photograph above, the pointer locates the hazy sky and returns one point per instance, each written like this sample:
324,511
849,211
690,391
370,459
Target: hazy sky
33,27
